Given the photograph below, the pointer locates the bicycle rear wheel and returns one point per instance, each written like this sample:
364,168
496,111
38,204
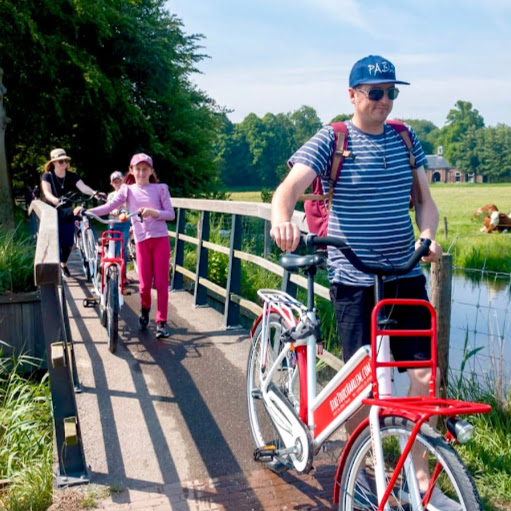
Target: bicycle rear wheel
112,307
286,380
357,485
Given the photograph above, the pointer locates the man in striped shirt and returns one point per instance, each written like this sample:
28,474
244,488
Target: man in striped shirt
370,210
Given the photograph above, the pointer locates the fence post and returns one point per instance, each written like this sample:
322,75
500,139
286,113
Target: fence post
441,291
232,309
267,239
201,292
179,251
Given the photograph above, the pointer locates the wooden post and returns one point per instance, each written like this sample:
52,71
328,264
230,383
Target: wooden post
267,239
441,290
232,309
179,252
201,292
445,227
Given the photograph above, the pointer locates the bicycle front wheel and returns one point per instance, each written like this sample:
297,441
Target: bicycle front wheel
132,252
92,256
358,487
286,379
83,255
112,307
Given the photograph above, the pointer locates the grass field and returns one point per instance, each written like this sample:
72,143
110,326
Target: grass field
456,204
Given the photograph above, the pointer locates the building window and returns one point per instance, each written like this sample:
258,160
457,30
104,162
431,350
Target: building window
458,177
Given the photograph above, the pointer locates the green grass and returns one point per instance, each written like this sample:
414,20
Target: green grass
26,438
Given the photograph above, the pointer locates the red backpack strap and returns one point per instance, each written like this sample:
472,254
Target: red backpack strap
340,154
401,128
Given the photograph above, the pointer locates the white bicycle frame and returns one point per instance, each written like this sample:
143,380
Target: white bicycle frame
340,398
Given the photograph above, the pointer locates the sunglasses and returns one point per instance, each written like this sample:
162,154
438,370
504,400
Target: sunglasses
377,94
61,162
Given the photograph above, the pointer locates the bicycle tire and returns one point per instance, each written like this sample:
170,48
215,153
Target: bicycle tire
286,380
112,307
132,252
357,485
92,255
83,255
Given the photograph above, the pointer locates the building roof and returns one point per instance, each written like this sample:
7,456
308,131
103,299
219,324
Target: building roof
437,162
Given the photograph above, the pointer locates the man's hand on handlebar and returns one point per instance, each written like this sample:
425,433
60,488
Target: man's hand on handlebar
435,251
286,235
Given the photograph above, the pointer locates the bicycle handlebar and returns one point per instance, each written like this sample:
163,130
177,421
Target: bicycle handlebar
76,198
113,220
383,269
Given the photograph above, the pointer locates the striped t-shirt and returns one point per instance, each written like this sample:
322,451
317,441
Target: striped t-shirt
371,198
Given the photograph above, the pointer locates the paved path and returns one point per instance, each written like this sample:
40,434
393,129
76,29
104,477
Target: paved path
164,422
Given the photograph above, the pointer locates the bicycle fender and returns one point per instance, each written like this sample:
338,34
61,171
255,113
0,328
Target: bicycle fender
344,454
260,318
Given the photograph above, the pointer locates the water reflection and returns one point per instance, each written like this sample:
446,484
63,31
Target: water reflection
481,303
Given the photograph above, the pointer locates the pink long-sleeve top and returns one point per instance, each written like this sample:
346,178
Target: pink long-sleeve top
153,195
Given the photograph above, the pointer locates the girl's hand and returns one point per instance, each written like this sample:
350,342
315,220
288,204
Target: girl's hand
78,210
146,212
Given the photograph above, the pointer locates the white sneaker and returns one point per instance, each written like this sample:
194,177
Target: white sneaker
441,502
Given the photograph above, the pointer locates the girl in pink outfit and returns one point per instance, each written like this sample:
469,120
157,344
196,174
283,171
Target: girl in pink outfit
142,192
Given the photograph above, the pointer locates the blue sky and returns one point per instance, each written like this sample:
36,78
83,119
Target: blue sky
277,55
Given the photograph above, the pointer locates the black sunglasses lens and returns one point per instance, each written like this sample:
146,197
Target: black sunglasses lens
393,93
376,94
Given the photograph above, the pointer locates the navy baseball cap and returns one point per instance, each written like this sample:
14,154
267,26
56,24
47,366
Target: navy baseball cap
373,69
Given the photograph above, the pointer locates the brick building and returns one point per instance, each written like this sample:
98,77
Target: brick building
438,170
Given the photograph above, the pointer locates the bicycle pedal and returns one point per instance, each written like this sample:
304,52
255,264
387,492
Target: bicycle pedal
265,454
89,302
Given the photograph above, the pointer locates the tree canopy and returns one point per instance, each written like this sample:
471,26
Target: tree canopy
105,79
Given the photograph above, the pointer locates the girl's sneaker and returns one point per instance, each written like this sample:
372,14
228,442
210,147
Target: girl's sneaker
143,320
162,330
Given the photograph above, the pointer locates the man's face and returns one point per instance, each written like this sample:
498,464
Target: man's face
370,109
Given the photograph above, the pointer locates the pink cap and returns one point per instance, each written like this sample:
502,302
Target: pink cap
141,158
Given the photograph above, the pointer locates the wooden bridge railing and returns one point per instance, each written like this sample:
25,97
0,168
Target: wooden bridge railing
232,294
59,347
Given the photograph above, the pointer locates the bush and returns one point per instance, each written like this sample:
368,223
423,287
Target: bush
17,250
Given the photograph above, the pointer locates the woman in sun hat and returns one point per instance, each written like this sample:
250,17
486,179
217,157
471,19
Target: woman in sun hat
57,180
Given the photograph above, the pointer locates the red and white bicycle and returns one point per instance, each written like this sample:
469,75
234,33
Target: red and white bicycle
290,420
107,284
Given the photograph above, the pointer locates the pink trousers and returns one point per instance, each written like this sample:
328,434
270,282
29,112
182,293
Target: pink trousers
153,262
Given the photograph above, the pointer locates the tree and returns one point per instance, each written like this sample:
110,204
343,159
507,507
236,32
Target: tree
6,205
459,120
105,79
305,123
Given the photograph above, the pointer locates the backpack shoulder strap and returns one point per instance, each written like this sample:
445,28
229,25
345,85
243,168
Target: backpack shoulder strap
401,128
340,154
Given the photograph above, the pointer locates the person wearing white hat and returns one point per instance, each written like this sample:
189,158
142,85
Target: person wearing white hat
57,180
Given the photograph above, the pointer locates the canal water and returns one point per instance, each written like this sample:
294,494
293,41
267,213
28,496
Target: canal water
480,334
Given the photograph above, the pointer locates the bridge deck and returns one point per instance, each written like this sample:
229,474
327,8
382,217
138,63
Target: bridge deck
165,422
